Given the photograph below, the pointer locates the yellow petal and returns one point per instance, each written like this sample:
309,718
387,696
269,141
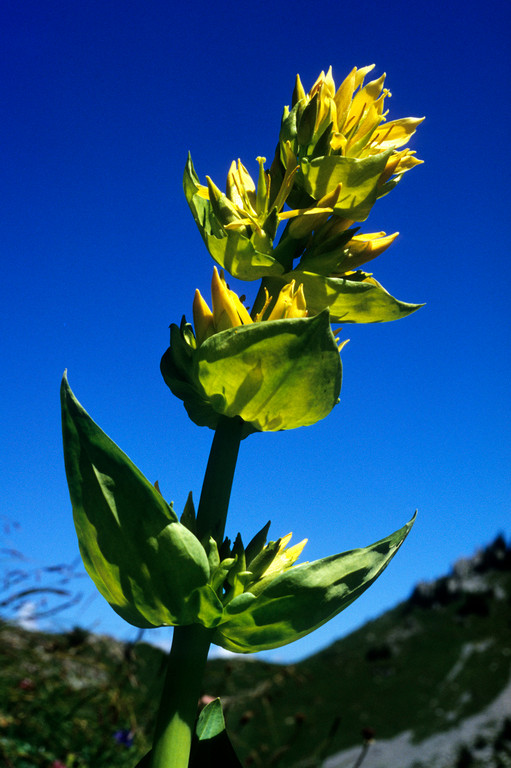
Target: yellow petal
343,98
317,85
224,310
202,191
372,244
294,552
283,303
396,133
299,307
327,111
241,309
361,73
329,83
407,161
241,189
299,92
338,141
232,190
374,88
202,318
245,178
290,303
285,558
364,132
284,541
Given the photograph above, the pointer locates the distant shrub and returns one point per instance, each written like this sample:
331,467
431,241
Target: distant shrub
476,604
381,652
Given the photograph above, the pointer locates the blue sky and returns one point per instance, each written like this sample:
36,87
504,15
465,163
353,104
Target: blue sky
101,103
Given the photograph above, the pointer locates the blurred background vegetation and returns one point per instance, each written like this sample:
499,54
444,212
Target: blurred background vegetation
78,700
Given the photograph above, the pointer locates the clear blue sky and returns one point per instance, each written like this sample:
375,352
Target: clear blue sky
100,104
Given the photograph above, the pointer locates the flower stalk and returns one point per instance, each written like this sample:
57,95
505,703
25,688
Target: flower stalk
216,488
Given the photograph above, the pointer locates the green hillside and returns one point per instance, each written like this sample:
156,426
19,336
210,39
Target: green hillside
427,667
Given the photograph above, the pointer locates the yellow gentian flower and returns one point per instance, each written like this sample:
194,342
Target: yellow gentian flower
356,111
230,312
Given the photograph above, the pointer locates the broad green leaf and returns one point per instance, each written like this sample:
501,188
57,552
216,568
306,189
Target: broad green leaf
211,745
247,258
359,179
350,301
304,597
142,560
275,375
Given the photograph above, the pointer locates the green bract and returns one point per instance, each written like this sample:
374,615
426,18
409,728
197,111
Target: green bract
302,598
359,178
142,560
274,375
356,298
247,256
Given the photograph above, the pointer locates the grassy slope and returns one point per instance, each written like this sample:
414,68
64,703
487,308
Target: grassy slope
422,667
411,669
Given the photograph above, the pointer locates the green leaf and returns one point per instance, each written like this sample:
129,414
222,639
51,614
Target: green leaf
350,300
275,375
247,258
304,597
323,258
359,179
206,607
188,516
178,379
142,560
211,744
256,545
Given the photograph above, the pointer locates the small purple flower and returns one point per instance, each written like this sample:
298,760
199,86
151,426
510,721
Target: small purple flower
124,737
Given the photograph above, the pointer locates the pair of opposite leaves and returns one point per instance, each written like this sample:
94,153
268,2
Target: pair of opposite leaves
154,571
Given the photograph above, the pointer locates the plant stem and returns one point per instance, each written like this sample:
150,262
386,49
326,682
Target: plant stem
190,644
216,488
181,690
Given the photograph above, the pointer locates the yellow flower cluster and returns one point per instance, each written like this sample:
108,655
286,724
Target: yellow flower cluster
230,312
356,112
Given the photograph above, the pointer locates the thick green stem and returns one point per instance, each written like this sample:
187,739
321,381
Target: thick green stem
190,645
216,488
181,691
